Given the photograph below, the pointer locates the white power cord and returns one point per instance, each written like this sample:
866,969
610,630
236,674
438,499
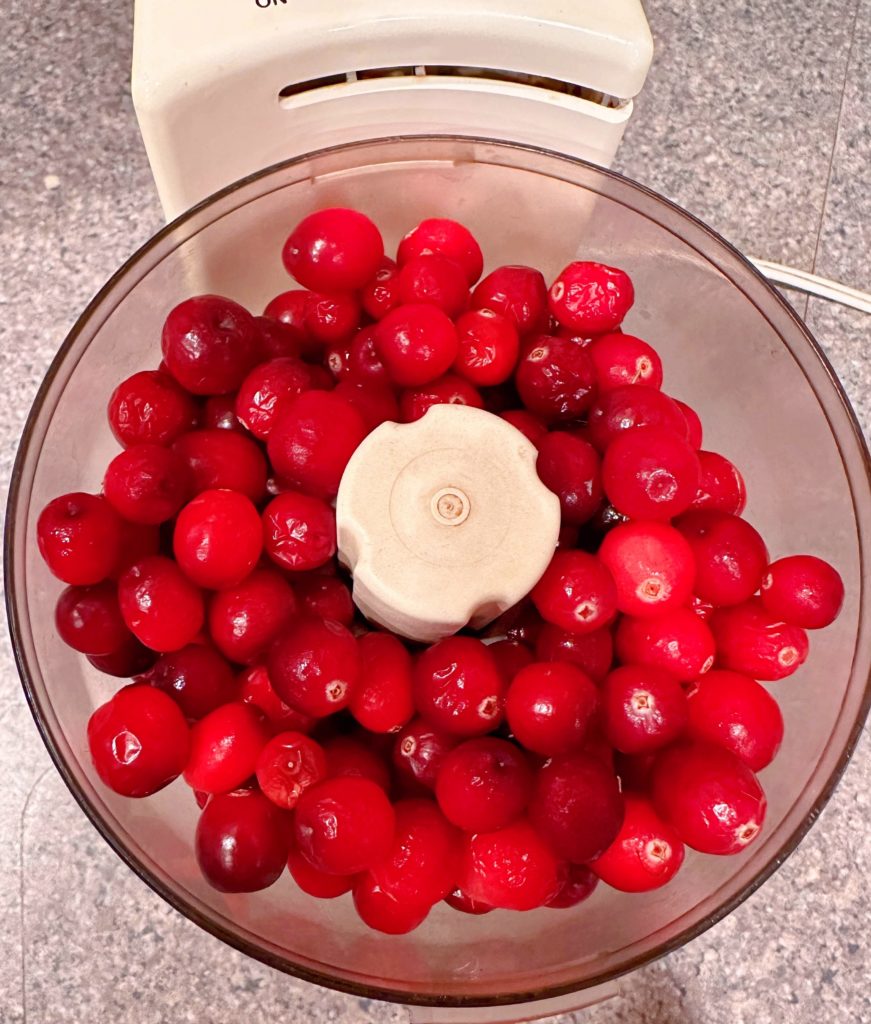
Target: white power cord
811,284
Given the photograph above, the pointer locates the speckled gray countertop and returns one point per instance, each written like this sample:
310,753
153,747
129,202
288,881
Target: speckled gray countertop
755,117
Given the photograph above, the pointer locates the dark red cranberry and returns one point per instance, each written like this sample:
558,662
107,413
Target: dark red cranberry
591,652
420,750
694,424
150,408
447,390
376,403
577,883
635,771
646,854
146,484
138,741
440,236
591,298
245,618
325,597
225,746
299,531
223,459
650,473
465,904
624,359
138,541
435,281
549,707
267,390
383,701
381,294
518,293
721,486
209,343
334,250
754,641
644,709
160,605
314,666
458,687
364,363
511,656
218,539
629,406
354,757
521,623
652,566
219,413
803,590
89,620
289,309
678,642
488,347
576,592
484,784
317,883
280,339
256,689
416,343
529,425
512,868
196,677
730,556
129,660
555,378
572,469
288,765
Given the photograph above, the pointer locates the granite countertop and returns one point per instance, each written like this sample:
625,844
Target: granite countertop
755,118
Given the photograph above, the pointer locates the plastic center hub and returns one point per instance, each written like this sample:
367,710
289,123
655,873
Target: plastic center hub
443,522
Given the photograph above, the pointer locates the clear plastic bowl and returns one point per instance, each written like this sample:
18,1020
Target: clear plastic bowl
731,347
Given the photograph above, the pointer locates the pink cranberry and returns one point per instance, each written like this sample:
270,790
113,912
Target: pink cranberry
555,378
447,238
299,531
196,677
530,426
458,687
754,641
332,317
694,424
644,709
629,406
334,250
624,359
591,298
652,566
375,402
383,701
160,605
218,539
267,390
150,408
511,656
288,765
255,688
646,854
650,473
803,590
730,556
571,468
209,343
549,707
225,746
592,652
709,796
138,741
436,281
223,459
488,347
518,293
721,486
577,884
325,597
146,484
419,752
317,883
678,642
89,620
576,592
511,868
484,784
381,294
314,666
448,390
245,618
417,343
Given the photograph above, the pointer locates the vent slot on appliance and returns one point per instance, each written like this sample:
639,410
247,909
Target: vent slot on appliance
451,71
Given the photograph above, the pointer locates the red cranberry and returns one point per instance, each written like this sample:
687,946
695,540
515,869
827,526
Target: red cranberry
89,620
710,797
364,363
758,643
146,484
381,294
624,359
678,642
576,806
644,709
803,590
299,531
465,904
488,347
730,556
518,293
381,911
511,656
256,689
420,750
511,868
629,406
591,652
242,841
245,618
150,408
218,539
591,298
288,765
138,541
289,309
435,281
138,741
354,757
267,390
280,339
324,597
521,623
650,473
694,424
737,713
219,413
530,426
577,884
334,250
447,390
344,825
646,854
721,486
196,677
376,403
313,439
382,701
160,605
314,666
484,784
317,883
127,661
571,468
416,343
332,317
209,343
446,238
555,378
549,707
223,459
225,746
458,687
576,592
652,567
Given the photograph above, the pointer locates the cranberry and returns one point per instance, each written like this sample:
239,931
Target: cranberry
447,390
299,531
646,854
332,317
511,656
196,677
530,426
652,567
730,556
146,484
435,281
314,666
382,911
289,309
721,486
138,741
484,784
325,597
375,402
419,752
576,806
644,708
417,343
241,842
592,652
350,757
635,771
576,592
549,707
555,378
89,620
511,868
223,459
225,746
209,343
590,297
218,539
571,468
267,390
710,797
446,238
344,825
150,408
138,541
521,623
160,605
382,701
488,347
219,413
381,294
279,338
334,250
458,687
694,424
624,359
518,293
317,883
313,439
336,359
364,363
577,883
245,618
678,642
127,661
758,643
256,689
650,473
803,590
629,406
288,765
465,904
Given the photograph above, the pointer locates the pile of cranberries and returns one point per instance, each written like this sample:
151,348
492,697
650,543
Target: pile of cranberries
612,718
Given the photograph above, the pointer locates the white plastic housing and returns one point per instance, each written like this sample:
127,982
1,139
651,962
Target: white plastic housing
208,78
